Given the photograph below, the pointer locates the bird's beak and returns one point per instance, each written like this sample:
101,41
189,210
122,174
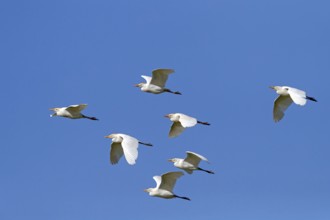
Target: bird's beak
52,109
272,87
166,116
107,136
170,160
145,190
136,85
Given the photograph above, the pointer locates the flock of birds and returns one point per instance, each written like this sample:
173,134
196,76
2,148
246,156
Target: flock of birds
123,144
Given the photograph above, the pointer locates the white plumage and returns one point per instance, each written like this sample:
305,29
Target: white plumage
287,95
72,111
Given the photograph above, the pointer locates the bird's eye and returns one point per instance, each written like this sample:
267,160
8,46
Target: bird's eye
286,89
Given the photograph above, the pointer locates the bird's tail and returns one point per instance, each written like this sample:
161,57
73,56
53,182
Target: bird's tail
311,98
203,123
207,171
147,144
181,197
91,118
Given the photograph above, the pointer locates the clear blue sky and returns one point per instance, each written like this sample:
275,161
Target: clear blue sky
225,53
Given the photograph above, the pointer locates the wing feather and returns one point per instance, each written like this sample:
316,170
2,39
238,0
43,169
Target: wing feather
160,76
176,129
280,106
147,79
116,153
76,108
169,179
298,96
130,148
187,121
194,158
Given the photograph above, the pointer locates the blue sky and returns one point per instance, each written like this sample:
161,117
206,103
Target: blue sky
225,54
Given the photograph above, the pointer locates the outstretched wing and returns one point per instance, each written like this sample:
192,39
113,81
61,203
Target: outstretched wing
176,129
76,108
147,79
280,105
169,180
187,121
159,77
298,96
130,148
194,158
158,180
116,153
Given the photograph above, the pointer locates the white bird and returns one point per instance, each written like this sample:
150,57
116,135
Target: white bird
156,83
180,122
287,95
190,163
124,144
72,111
164,186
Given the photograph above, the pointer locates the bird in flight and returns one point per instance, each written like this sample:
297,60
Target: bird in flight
123,144
156,83
164,186
180,122
72,111
287,95
190,163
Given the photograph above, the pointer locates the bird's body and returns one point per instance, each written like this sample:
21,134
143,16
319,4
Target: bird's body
156,83
190,163
287,95
123,144
164,186
72,111
180,122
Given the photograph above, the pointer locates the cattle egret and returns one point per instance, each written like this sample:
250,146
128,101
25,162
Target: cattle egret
190,163
72,111
287,95
180,122
124,144
156,83
164,186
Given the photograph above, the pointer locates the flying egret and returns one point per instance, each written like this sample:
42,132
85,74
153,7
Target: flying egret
164,186
72,111
180,122
287,95
156,83
124,144
190,163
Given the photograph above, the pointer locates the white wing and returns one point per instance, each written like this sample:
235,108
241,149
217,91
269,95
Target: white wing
280,105
158,180
298,96
187,121
176,129
130,148
147,78
76,108
169,179
194,158
159,77
116,152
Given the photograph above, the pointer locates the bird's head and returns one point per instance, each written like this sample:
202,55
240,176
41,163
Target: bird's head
110,136
276,88
173,160
148,190
140,85
168,115
55,111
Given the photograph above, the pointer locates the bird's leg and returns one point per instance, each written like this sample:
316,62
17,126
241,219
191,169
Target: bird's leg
203,123
91,118
147,144
208,171
181,197
311,98
177,93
